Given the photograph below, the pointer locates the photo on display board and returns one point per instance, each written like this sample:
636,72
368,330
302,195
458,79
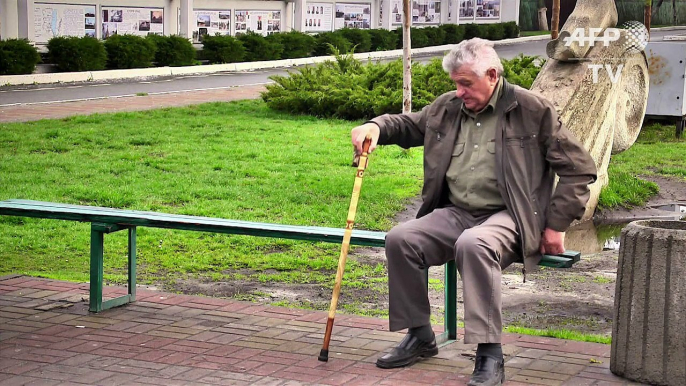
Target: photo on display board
90,23
90,14
156,17
116,16
203,20
90,33
224,15
143,25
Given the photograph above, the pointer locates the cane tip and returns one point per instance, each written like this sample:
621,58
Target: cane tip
324,355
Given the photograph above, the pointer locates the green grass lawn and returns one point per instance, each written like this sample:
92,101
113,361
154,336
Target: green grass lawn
533,33
656,152
229,160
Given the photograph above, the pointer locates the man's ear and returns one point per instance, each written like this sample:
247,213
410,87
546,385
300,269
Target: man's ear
492,74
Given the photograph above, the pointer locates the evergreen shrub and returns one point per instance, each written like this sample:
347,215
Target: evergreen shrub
383,40
172,50
222,49
17,57
359,39
257,47
73,54
129,51
326,41
295,44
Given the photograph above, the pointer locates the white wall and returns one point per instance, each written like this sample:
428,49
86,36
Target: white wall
16,16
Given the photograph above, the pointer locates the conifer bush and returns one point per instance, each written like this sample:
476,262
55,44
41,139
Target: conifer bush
17,57
71,53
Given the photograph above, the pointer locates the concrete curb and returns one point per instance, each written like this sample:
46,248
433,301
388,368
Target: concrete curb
144,73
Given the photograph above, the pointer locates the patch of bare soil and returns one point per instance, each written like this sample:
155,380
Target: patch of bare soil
580,298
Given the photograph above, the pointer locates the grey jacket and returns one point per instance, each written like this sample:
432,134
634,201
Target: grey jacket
532,145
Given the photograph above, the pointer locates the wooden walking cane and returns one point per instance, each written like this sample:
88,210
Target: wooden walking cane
362,165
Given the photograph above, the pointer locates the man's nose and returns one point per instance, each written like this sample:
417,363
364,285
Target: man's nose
459,92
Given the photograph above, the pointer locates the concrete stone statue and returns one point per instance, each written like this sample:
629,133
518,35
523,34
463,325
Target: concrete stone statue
600,89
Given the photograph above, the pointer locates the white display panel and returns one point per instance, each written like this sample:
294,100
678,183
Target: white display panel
318,17
211,22
423,11
261,22
132,20
487,9
353,15
51,20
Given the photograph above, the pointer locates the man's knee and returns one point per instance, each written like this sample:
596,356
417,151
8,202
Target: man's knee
401,235
471,242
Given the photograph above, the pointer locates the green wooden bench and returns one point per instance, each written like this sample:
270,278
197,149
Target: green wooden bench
109,220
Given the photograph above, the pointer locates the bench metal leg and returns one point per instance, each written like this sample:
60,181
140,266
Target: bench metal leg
98,232
449,334
97,248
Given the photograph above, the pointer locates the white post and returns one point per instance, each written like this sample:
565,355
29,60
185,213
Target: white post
186,18
455,12
445,9
387,19
407,57
287,24
299,19
25,25
8,23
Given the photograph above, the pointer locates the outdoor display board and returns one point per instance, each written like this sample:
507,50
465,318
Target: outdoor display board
488,9
423,11
479,9
211,22
51,20
318,17
261,22
132,20
353,15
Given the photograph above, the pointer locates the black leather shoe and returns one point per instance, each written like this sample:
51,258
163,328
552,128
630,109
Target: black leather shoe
488,371
408,352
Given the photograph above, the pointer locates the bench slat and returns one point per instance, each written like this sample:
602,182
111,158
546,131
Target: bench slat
83,213
127,217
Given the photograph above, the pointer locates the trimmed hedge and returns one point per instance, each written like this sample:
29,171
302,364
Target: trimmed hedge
257,47
222,49
328,40
73,54
172,50
383,40
360,39
346,89
295,44
129,51
17,57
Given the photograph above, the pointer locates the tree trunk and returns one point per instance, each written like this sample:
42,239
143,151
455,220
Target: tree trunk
647,14
555,20
674,13
542,19
407,58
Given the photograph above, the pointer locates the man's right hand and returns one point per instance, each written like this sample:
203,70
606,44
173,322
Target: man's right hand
359,133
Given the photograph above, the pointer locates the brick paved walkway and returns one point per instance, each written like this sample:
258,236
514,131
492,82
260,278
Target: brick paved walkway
23,113
47,337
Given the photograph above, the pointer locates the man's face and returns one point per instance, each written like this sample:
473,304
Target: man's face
473,89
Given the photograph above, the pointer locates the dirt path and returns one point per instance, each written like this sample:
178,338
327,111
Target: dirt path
580,298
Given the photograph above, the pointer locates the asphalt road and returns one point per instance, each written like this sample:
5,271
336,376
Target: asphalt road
35,94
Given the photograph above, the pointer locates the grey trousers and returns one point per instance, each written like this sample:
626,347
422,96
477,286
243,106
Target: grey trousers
481,246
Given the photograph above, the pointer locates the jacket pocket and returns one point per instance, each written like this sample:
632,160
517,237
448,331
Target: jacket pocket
458,150
490,146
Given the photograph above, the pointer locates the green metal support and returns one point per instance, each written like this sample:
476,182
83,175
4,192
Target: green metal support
97,241
98,231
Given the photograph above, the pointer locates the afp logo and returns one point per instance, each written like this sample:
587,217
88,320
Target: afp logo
636,36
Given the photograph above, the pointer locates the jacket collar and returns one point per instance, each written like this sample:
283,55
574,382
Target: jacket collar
507,102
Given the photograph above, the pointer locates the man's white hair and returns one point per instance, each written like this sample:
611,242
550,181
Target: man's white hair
478,54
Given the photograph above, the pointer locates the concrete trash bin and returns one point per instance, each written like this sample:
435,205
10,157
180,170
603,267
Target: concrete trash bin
649,331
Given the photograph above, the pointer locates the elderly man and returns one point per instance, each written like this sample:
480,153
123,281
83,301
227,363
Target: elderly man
491,152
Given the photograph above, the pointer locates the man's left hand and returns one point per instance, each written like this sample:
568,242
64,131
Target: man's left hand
552,242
